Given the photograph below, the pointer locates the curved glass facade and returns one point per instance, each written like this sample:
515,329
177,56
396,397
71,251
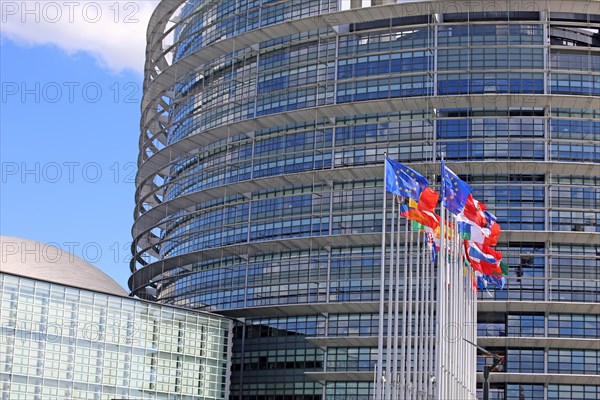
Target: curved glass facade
264,129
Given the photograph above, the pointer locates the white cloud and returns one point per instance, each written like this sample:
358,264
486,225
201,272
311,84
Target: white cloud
114,32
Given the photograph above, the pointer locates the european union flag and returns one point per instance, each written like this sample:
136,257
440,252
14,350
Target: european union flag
401,182
421,180
455,191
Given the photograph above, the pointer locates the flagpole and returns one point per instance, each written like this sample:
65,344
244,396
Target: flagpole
458,304
474,294
397,305
409,318
474,337
461,306
432,346
470,336
390,310
417,338
461,317
445,309
432,297
422,305
403,364
469,291
472,332
438,312
439,301
379,377
419,321
427,302
426,332
467,325
454,310
451,307
466,331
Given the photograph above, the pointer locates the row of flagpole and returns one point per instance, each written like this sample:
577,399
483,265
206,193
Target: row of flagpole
457,321
437,289
409,342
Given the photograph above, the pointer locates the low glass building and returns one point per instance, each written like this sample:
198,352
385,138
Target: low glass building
61,342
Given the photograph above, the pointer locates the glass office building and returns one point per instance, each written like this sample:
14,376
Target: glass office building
259,191
61,342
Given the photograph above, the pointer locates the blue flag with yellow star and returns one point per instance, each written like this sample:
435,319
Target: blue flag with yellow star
455,191
400,180
421,180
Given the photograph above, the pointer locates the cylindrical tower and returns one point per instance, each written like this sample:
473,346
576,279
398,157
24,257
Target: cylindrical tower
259,191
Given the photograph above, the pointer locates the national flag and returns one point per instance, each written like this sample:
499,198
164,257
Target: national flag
412,203
489,269
490,218
421,211
475,211
498,281
485,280
397,181
481,281
480,267
430,238
464,229
494,234
483,258
488,250
425,218
483,227
466,258
470,231
483,253
430,233
472,263
428,199
504,268
454,191
417,226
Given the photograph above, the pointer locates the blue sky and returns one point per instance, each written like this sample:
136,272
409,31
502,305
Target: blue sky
69,128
